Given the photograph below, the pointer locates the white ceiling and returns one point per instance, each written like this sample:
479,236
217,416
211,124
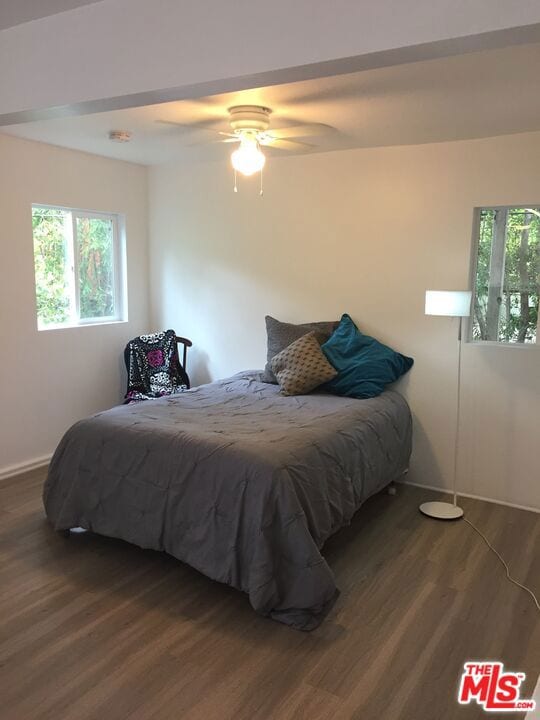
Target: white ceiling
16,12
469,96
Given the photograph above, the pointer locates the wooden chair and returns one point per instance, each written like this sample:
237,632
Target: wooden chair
182,365
186,343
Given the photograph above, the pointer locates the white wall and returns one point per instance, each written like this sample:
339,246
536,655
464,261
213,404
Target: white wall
365,232
51,378
150,46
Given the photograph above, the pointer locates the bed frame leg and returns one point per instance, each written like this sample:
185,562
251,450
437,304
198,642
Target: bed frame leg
392,487
72,531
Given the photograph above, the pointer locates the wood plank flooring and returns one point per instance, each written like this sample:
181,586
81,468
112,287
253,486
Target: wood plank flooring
94,628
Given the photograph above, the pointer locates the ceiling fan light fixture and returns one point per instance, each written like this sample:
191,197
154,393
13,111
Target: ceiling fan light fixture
248,159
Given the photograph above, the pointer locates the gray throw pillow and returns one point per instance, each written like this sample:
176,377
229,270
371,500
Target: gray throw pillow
281,334
302,366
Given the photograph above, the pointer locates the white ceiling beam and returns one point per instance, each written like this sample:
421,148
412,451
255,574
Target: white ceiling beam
16,12
123,53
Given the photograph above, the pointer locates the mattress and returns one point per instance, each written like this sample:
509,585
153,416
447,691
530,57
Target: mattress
241,483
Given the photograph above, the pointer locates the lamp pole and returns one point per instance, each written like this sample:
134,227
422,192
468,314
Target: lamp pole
458,411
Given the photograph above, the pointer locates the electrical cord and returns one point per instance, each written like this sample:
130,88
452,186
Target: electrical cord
509,577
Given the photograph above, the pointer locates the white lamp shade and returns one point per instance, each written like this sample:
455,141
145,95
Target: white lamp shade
451,303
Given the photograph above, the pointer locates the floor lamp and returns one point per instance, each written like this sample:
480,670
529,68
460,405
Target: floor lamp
454,303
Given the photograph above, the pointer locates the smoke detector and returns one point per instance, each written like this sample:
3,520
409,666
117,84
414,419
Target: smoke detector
120,136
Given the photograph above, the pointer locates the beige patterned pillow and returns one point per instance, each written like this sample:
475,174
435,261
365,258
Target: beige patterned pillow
302,366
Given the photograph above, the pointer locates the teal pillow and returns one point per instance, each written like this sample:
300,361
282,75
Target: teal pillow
365,366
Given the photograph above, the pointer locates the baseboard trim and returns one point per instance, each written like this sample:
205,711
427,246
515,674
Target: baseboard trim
473,497
20,468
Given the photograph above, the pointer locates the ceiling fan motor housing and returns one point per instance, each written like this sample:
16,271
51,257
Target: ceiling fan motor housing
249,118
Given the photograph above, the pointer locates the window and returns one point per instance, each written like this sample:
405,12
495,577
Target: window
78,267
507,275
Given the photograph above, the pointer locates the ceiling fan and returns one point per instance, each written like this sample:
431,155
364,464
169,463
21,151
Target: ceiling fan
250,128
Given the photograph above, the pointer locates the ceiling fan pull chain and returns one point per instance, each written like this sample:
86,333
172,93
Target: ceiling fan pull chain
261,190
235,186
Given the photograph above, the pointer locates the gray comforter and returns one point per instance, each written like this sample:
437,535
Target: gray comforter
237,481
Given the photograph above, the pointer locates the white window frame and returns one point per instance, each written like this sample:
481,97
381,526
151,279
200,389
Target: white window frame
119,268
474,267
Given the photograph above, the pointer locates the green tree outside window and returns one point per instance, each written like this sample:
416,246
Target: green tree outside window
75,266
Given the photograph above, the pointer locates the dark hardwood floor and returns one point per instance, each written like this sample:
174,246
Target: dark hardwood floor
93,628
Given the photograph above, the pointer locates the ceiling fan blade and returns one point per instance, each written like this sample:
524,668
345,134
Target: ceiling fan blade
213,142
282,144
195,127
308,130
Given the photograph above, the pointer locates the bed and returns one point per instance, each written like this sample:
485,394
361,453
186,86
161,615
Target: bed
241,483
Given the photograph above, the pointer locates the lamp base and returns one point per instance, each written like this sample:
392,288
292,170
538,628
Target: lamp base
441,510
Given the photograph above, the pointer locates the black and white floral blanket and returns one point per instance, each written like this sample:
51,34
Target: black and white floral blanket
153,367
